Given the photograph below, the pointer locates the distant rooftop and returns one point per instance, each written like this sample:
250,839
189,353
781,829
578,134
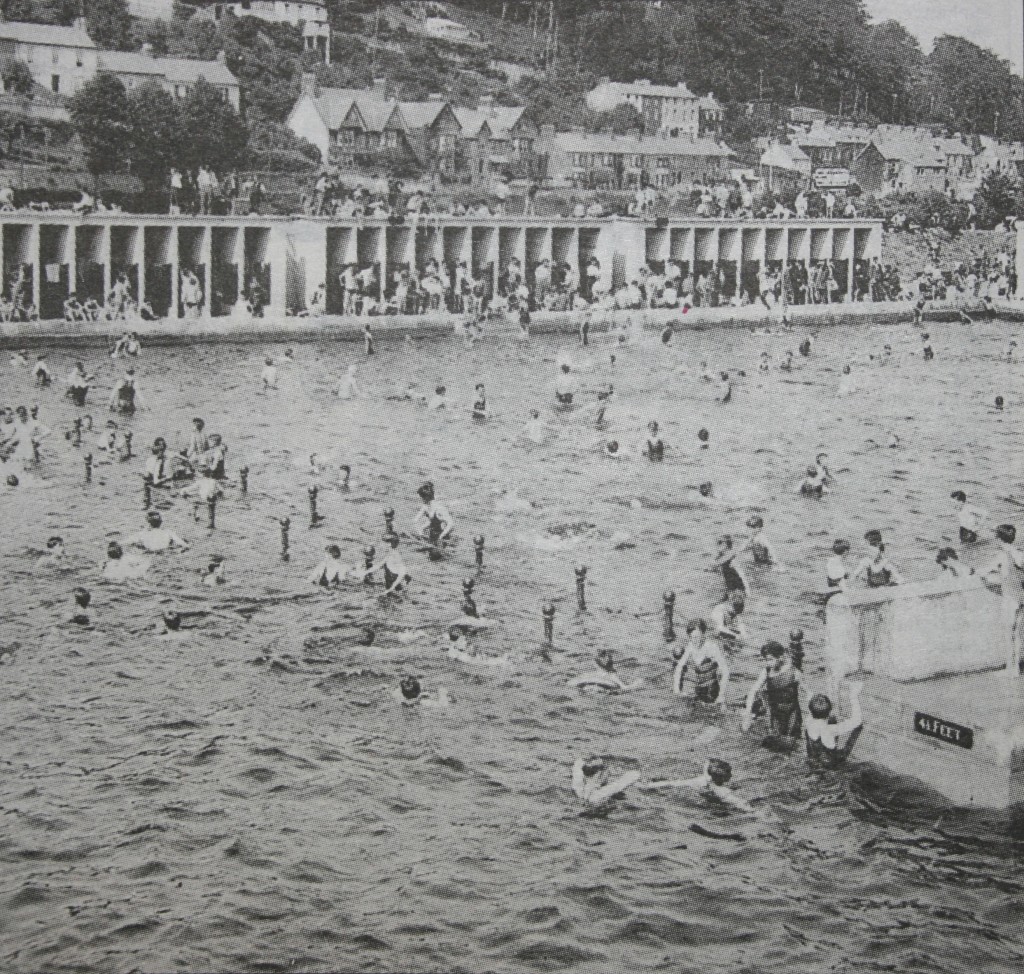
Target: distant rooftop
55,36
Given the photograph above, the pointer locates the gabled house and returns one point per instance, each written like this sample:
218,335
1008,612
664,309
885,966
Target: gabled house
497,142
897,162
785,167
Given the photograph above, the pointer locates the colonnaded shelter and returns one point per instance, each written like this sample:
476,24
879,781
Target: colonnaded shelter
62,254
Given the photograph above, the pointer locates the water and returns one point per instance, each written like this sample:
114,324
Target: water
248,797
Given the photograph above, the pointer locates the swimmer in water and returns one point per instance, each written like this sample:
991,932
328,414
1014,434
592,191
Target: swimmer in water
806,345
368,339
847,383
54,554
331,571
347,388
764,367
396,575
724,393
779,685
460,650
969,518
813,484
823,732
535,428
876,569
122,568
998,408
565,386
78,384
288,358
82,599
269,374
725,560
41,372
725,621
654,448
949,561
439,400
591,781
479,410
605,675
410,694
836,572
433,521
710,668
213,574
927,352
1011,353
20,359
759,546
704,439
126,397
613,450
787,362
706,375
713,781
155,538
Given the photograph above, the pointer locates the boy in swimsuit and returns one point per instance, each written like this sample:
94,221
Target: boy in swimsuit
876,569
813,484
330,571
735,580
970,518
565,386
433,521
655,446
713,781
823,731
725,621
759,546
156,538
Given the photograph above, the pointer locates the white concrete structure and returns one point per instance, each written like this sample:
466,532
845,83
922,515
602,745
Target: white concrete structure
940,703
61,59
64,254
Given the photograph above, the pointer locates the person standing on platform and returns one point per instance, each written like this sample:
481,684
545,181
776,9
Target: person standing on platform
1009,567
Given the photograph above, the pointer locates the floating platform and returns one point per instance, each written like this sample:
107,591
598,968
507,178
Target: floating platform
943,699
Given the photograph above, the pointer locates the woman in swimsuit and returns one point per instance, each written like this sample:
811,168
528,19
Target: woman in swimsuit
734,578
836,572
876,569
655,444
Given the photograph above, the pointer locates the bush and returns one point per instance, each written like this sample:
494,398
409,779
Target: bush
282,160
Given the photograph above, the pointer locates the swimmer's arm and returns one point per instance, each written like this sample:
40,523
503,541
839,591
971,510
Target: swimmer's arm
317,574
728,796
748,716
178,542
862,568
897,578
856,718
724,674
701,781
578,781
679,673
402,580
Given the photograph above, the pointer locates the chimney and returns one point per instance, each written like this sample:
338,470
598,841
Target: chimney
222,57
147,49
380,88
309,85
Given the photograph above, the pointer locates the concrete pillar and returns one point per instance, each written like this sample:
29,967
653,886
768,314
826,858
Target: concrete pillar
173,311
207,258
382,257
105,256
277,257
140,261
71,250
33,254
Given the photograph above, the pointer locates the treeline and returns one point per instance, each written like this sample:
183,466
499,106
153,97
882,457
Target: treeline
822,55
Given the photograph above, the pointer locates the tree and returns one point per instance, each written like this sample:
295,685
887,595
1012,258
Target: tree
212,134
17,78
109,24
998,197
157,135
102,115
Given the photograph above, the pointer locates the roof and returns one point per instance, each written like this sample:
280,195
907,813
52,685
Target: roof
45,34
421,114
780,156
179,70
647,90
500,120
649,146
953,147
909,150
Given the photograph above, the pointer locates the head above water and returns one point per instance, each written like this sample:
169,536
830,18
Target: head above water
12,480
707,489
55,542
959,495
796,637
367,637
333,550
114,551
172,620
946,554
612,446
426,492
82,597
1006,533
605,660
874,538
410,688
198,423
154,519
720,772
755,523
820,707
592,766
773,650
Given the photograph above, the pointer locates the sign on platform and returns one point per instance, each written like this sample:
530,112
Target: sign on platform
944,730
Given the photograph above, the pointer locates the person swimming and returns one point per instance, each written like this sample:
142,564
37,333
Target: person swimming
735,580
535,428
759,547
479,410
78,384
592,783
927,352
655,445
126,397
331,571
724,393
156,538
713,781
120,567
725,621
269,376
433,521
82,599
439,400
565,385
605,676
969,517
876,569
813,484
836,572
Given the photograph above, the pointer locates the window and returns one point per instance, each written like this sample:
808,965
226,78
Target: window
78,59
30,53
56,56
55,83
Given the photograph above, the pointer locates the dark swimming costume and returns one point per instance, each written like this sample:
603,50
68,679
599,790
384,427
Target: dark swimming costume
928,353
782,695
832,758
389,577
812,490
796,654
708,681
967,536
78,394
655,449
733,579
435,529
761,554
879,579
480,409
126,398
565,398
805,348
835,582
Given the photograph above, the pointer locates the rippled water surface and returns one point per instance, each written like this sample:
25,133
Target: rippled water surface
248,797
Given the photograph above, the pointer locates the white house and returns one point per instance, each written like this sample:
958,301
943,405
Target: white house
177,76
61,59
670,109
310,15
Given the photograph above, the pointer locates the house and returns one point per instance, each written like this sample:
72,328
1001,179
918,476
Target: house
585,160
785,167
152,9
498,142
310,15
898,162
665,108
359,128
177,76
61,59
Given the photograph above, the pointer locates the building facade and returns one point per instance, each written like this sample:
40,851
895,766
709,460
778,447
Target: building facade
177,76
310,15
674,110
60,59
